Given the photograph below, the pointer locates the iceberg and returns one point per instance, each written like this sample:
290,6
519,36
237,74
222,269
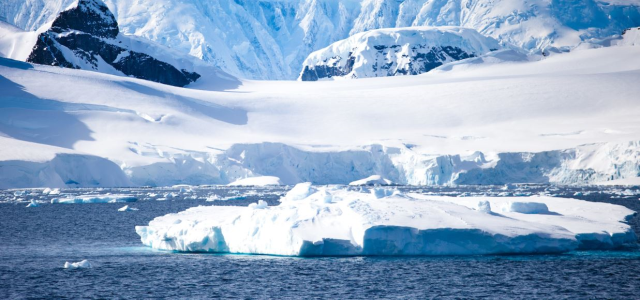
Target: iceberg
85,264
33,203
257,181
337,221
95,199
127,208
372,180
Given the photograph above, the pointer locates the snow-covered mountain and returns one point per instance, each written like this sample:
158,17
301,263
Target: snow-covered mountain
86,36
568,118
398,51
270,39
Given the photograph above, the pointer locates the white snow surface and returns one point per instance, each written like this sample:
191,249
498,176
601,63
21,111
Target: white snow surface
335,221
571,118
400,47
106,198
257,181
631,37
269,39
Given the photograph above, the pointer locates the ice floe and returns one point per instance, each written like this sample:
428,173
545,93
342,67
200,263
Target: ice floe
313,221
127,208
85,264
95,199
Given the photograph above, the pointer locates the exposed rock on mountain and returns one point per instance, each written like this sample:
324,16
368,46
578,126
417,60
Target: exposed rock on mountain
392,52
87,37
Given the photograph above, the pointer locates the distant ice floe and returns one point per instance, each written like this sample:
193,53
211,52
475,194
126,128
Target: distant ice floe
95,199
127,208
85,264
33,204
318,221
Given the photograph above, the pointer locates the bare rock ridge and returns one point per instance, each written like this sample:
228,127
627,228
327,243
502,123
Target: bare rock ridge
87,37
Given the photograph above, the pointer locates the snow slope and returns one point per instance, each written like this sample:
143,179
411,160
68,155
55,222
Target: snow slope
334,221
494,122
270,39
392,52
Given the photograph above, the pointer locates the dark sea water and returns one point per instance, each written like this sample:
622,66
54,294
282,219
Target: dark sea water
36,242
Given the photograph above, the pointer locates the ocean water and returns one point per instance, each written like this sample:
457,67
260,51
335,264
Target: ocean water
36,242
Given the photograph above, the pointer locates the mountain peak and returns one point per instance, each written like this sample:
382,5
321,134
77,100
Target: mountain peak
89,16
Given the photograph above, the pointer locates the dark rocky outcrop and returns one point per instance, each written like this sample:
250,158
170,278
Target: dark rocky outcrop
83,36
422,60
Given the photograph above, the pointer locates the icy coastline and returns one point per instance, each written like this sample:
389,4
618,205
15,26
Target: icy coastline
318,221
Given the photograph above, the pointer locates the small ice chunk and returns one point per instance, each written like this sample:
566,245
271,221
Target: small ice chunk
54,192
127,208
528,207
381,192
260,205
46,191
325,196
33,204
213,197
299,192
509,186
484,206
85,264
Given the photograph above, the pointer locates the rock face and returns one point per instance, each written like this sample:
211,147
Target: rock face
392,52
87,37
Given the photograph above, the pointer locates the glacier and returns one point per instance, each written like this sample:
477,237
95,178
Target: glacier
336,221
461,123
270,39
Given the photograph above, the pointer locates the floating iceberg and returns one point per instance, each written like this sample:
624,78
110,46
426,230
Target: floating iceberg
95,199
315,221
372,180
85,264
33,204
257,181
127,208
